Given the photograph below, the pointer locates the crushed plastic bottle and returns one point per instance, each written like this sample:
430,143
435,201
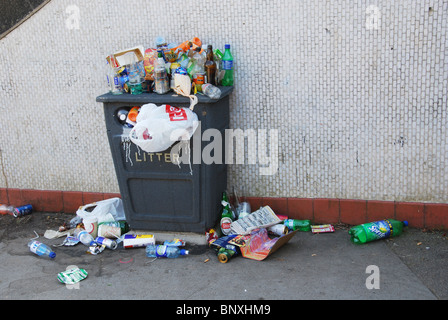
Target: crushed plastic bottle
159,251
41,249
211,91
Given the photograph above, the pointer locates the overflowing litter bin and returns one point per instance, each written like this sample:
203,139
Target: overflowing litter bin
158,192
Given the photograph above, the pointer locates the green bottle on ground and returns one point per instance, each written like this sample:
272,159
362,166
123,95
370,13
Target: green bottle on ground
377,230
301,225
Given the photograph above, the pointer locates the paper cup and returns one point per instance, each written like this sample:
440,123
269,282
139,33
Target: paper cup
91,226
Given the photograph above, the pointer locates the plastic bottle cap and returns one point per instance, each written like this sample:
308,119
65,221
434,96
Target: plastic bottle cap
227,46
52,255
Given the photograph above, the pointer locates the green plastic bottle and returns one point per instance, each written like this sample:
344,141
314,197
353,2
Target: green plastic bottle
227,66
377,230
301,225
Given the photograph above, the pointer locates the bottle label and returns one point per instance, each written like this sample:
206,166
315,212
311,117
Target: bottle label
227,65
378,230
34,245
161,251
225,225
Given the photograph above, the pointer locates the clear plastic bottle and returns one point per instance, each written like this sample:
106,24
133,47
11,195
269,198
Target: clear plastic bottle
83,236
161,83
41,249
227,66
159,251
211,91
135,80
5,209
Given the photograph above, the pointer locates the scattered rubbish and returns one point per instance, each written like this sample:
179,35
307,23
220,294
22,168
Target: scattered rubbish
159,251
95,248
84,237
224,255
278,229
41,249
53,234
295,224
69,241
16,212
258,246
227,215
377,230
108,243
224,248
262,218
91,225
176,243
324,228
138,240
104,210
72,276
210,235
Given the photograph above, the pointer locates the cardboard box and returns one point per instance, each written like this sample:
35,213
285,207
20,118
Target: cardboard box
258,246
121,59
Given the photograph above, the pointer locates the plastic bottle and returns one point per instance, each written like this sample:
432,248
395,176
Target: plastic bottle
159,251
301,225
16,211
114,78
210,66
377,230
41,249
83,236
227,66
211,91
161,83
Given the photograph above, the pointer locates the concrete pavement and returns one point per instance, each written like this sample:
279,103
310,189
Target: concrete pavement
321,267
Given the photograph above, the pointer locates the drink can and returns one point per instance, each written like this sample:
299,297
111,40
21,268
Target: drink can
109,243
199,80
23,210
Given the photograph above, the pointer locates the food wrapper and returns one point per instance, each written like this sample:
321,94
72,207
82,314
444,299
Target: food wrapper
322,228
149,62
72,276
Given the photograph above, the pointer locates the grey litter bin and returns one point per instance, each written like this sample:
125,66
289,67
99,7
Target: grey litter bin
157,194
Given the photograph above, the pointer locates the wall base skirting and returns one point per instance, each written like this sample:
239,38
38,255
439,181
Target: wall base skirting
352,212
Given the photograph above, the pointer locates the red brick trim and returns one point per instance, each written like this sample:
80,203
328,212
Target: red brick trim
318,210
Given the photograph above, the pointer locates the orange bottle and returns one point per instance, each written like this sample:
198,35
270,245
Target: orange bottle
133,113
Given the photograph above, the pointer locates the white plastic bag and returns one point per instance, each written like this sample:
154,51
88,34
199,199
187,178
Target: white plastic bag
104,210
158,127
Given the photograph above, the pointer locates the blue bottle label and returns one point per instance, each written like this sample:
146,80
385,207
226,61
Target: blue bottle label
161,251
380,229
227,65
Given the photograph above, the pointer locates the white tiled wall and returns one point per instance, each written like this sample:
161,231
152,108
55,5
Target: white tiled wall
356,89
